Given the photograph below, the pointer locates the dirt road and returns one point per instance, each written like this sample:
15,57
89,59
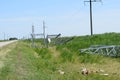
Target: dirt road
6,43
4,51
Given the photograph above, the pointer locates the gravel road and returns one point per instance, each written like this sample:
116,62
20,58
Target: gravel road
6,43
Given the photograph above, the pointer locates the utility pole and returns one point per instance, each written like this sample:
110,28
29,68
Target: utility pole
4,36
91,20
91,25
44,32
33,35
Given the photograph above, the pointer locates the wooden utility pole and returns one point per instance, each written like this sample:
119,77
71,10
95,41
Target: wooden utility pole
91,20
91,24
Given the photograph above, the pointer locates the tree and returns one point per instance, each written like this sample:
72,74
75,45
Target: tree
14,38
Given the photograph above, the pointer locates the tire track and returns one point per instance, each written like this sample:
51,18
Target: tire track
20,66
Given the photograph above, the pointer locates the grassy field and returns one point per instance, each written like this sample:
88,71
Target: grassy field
18,61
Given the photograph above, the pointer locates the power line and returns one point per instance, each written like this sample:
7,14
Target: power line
91,21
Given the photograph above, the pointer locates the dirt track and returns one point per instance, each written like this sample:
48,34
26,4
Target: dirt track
3,52
6,43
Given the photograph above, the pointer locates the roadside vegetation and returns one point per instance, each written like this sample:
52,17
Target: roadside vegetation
60,62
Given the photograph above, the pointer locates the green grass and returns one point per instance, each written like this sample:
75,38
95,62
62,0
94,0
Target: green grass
26,63
43,53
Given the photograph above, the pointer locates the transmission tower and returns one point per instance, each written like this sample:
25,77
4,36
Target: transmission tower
91,21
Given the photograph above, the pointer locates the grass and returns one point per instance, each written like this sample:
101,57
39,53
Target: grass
25,63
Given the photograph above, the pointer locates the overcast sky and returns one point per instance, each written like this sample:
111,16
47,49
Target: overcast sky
68,17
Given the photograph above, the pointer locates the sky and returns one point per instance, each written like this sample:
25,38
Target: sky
68,17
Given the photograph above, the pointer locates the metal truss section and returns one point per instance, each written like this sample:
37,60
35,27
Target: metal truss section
112,50
33,35
39,34
54,36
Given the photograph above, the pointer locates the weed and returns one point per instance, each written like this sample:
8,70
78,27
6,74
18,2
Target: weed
43,53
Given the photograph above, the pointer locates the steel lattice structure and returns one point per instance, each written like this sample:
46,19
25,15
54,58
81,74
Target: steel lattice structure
112,50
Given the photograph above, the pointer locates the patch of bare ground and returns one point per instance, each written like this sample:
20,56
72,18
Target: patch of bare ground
20,66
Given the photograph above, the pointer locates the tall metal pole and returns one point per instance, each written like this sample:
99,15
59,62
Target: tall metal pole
32,29
44,32
4,36
33,35
91,24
